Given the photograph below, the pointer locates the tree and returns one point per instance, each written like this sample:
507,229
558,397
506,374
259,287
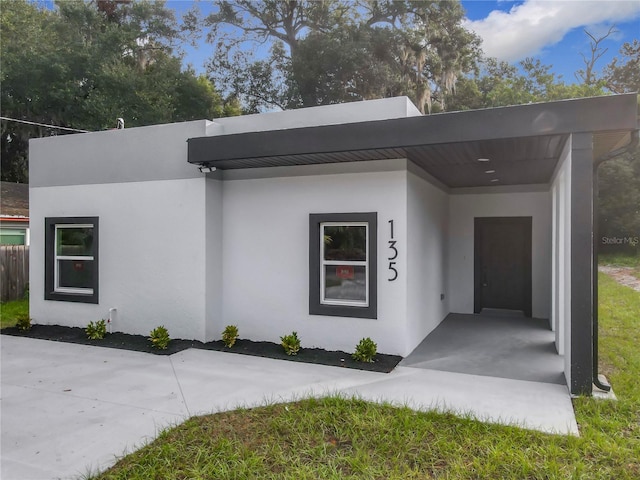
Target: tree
499,84
431,49
619,178
623,74
26,31
349,64
587,75
83,65
333,51
619,200
278,21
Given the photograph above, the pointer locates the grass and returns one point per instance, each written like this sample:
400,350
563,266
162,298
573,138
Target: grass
622,260
9,312
340,438
619,259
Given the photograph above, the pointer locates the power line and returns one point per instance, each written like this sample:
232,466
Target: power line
44,125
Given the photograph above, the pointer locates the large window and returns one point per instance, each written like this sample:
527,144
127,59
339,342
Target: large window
71,256
342,264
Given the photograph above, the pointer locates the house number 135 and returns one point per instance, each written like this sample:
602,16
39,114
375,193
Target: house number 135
393,254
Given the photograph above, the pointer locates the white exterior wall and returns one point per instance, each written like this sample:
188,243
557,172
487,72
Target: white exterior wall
561,292
266,257
213,251
197,253
151,206
369,110
151,254
427,219
165,228
464,208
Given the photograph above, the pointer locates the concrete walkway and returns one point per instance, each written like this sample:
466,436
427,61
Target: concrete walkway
68,409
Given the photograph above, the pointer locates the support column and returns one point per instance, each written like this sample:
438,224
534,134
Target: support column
581,263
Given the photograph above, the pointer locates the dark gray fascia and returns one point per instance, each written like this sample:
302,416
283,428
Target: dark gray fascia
617,112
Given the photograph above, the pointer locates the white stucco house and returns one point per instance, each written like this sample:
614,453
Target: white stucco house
338,222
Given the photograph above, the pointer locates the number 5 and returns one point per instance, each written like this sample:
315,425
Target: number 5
393,269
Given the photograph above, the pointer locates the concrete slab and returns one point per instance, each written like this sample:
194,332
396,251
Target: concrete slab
69,409
63,436
106,374
493,344
218,381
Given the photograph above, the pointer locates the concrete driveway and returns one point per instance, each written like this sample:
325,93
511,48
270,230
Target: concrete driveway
67,409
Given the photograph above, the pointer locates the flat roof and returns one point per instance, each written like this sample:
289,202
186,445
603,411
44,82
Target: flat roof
523,141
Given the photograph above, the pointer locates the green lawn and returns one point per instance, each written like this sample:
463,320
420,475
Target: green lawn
619,259
9,312
622,260
347,438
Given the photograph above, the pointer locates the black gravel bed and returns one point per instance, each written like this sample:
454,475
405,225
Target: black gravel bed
139,343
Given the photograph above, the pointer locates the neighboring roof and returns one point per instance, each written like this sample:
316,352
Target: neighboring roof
14,199
523,141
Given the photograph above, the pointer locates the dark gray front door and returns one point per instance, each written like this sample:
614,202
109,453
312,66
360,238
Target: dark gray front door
502,263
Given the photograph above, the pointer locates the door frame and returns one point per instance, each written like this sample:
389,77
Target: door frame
524,222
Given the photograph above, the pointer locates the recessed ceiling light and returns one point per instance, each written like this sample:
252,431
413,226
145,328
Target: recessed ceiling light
483,159
495,180
489,171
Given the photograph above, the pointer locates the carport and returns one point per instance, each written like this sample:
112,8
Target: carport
549,147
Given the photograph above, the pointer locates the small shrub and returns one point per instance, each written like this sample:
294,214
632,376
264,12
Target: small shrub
291,343
230,335
159,338
23,322
365,350
97,330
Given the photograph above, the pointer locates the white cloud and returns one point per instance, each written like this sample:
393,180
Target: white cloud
528,28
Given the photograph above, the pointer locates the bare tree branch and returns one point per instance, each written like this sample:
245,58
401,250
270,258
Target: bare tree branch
586,75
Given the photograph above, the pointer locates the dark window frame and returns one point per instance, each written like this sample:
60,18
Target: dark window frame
315,305
50,257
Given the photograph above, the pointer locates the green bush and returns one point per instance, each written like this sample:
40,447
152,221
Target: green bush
97,330
365,350
230,335
159,338
291,343
23,322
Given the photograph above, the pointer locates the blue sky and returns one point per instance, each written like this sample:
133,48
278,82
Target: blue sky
551,30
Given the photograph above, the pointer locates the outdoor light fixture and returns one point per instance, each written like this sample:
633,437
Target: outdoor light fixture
489,171
204,169
495,180
483,159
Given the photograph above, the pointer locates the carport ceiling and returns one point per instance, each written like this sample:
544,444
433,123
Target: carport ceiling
511,161
520,145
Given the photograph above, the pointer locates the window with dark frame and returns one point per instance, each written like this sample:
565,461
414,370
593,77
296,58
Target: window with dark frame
342,264
71,259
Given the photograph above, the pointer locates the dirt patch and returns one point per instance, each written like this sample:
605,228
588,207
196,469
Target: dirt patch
622,275
139,343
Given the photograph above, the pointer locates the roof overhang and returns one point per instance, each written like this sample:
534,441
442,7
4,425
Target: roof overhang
522,142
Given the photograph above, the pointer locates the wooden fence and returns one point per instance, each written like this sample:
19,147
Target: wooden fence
14,271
